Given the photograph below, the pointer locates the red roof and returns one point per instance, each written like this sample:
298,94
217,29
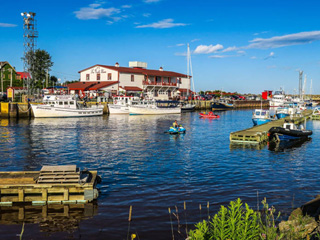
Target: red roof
102,85
24,75
140,71
85,86
133,89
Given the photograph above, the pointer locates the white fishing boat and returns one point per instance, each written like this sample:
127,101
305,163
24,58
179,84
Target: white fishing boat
64,106
278,99
155,107
121,104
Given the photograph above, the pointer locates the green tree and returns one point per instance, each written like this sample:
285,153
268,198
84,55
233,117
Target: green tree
53,80
40,64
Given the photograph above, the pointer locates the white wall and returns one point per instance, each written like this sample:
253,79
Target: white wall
103,74
125,80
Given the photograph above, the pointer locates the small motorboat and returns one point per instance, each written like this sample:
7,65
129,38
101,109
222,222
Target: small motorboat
261,116
209,115
188,107
177,130
288,132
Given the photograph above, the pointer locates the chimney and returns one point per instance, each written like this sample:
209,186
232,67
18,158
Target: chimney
161,69
117,64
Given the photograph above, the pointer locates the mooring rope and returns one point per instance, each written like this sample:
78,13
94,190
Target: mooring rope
22,110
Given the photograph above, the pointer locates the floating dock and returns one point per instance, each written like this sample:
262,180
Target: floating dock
259,134
51,185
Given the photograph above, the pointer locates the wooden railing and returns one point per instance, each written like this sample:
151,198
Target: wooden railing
159,83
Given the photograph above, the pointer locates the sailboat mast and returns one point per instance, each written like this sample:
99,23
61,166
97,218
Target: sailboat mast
189,69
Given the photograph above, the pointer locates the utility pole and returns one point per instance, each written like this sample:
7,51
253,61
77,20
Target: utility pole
11,77
1,81
47,78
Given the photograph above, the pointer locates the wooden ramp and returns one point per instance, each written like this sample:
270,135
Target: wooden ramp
259,134
50,185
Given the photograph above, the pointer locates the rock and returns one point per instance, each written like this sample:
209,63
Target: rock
302,226
296,214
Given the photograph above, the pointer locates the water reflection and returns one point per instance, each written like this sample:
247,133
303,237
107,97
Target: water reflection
50,218
281,146
142,166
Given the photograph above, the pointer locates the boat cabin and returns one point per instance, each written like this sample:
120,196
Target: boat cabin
65,101
290,126
261,113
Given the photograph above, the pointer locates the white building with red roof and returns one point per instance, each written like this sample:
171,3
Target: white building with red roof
135,79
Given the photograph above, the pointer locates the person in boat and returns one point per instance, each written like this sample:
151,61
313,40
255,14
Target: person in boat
175,124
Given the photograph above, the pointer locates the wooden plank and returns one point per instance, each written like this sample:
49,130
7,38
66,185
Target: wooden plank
65,168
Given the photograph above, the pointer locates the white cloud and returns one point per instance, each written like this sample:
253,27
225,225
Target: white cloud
180,44
225,56
230,49
219,56
166,23
195,40
285,40
126,6
7,25
241,52
204,49
253,57
94,12
146,14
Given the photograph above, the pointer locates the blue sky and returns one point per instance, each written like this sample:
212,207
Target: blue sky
246,46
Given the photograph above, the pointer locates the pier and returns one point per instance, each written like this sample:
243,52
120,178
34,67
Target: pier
259,134
50,185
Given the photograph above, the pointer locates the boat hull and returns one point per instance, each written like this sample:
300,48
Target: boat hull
288,134
179,130
260,121
118,109
45,111
221,106
137,110
282,115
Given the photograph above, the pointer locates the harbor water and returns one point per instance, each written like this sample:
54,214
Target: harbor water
144,167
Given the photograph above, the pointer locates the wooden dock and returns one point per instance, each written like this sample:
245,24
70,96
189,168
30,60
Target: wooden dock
50,185
259,134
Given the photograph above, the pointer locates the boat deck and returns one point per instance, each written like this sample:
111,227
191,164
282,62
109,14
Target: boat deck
259,134
50,185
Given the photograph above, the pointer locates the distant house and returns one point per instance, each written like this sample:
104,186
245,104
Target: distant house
9,77
133,80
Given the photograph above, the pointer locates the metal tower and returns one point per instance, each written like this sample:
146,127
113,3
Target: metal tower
300,84
30,35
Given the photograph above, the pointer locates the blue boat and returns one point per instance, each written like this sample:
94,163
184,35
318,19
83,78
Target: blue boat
261,116
288,132
287,110
178,130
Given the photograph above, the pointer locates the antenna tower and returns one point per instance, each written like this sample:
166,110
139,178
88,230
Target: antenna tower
30,35
300,84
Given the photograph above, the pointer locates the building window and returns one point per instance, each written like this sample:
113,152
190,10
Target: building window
109,76
98,76
87,76
132,78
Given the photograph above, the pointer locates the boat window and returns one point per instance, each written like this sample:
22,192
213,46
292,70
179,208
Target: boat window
65,103
60,103
72,103
258,113
263,113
